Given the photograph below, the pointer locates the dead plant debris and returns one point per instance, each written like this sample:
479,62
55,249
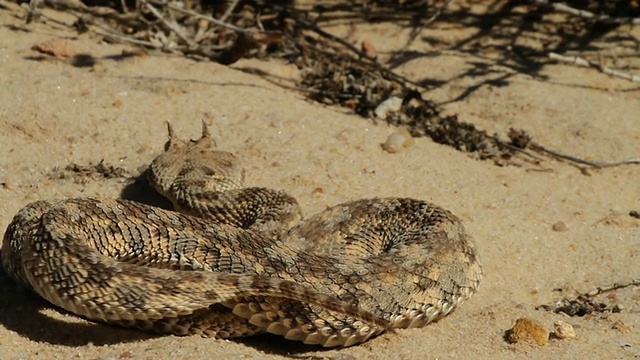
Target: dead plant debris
334,71
585,304
82,174
362,87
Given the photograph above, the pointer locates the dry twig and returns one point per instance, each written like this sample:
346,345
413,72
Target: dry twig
209,18
595,164
229,10
576,60
587,14
109,33
584,303
170,25
615,286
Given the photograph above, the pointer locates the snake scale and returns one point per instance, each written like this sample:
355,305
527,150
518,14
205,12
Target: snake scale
232,261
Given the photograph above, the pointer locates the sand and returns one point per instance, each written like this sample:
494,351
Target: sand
53,114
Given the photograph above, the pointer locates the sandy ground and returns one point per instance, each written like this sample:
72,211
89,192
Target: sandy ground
53,114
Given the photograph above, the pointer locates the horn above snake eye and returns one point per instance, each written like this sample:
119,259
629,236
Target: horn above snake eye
206,136
205,130
171,134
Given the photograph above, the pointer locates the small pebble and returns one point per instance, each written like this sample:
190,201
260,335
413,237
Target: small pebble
368,48
410,140
57,47
528,330
134,51
388,106
563,330
397,141
126,355
394,143
343,356
559,226
98,68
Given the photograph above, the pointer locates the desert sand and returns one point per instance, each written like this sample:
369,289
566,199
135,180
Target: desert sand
53,114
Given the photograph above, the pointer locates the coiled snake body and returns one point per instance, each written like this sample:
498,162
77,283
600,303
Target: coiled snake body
234,261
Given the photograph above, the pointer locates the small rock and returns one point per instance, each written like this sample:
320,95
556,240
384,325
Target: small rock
397,141
559,226
390,105
410,141
394,143
529,330
57,47
134,51
368,48
343,356
97,67
126,355
563,330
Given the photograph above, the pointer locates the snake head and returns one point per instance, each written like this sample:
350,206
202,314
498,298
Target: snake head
196,165
174,143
